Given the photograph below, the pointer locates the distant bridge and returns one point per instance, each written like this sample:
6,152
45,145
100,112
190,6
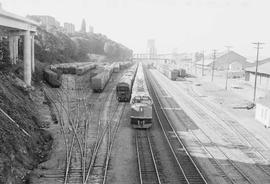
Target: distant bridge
158,57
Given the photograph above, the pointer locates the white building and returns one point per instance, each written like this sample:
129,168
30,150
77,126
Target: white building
263,111
69,28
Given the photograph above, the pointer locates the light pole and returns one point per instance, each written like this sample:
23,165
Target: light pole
213,65
202,62
227,72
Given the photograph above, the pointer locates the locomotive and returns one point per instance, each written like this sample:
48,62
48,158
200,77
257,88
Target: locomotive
141,102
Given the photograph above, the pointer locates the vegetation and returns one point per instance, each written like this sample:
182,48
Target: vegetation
57,47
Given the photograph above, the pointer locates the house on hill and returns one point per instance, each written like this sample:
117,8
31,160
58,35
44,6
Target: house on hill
263,74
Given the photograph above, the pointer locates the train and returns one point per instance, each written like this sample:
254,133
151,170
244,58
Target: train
73,68
99,81
54,79
170,72
116,67
52,74
141,102
124,86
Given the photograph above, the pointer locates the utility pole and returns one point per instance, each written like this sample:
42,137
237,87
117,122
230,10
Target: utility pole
203,63
213,65
257,61
227,72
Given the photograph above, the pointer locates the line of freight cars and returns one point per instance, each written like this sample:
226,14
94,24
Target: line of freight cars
52,74
99,81
170,72
124,86
141,102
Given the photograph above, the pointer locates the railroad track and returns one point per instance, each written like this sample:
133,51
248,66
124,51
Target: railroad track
146,160
229,170
256,147
190,173
78,113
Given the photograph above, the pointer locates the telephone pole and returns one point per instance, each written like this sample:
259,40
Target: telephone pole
203,63
257,61
227,72
213,65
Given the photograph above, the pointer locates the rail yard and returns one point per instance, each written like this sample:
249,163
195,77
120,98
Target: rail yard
135,122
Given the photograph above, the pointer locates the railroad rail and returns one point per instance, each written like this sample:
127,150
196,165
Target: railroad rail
224,166
80,155
246,137
188,167
146,160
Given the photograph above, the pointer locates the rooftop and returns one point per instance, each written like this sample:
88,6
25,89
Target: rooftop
262,68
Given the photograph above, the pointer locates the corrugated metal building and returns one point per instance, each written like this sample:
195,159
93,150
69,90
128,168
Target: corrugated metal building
263,74
233,60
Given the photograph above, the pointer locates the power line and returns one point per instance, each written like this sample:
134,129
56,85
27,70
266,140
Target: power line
257,61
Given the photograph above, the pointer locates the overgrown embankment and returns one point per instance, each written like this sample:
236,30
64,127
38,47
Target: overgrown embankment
23,144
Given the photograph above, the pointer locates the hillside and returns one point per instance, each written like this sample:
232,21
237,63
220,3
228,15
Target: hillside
57,47
24,143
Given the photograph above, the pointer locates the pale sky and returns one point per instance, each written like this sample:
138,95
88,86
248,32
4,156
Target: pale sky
188,25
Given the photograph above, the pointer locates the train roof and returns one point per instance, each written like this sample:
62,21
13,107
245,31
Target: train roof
139,86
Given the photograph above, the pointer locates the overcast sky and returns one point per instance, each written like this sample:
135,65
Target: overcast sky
188,25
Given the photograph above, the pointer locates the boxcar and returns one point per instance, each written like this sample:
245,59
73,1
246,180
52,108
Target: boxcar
54,79
99,81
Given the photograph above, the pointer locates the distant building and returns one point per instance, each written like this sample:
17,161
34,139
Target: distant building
69,28
263,74
151,48
83,26
46,21
231,60
91,29
262,113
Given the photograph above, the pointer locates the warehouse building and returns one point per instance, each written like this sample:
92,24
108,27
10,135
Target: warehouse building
263,74
231,60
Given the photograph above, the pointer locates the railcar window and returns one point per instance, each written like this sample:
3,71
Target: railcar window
121,88
142,99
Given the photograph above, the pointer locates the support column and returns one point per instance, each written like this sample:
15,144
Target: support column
33,53
16,49
27,58
13,49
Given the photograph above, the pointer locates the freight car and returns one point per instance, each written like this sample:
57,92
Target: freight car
141,102
116,67
99,81
124,86
54,79
124,65
168,71
81,69
73,68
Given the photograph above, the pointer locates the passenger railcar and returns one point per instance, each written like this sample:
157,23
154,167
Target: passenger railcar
124,86
141,102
